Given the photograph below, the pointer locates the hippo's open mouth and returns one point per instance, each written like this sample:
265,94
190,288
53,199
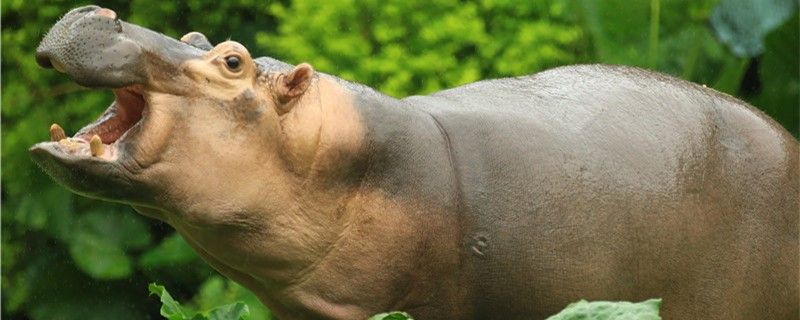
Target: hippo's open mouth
101,159
96,49
102,138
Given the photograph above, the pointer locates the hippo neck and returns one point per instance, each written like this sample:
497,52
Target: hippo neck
322,137
399,208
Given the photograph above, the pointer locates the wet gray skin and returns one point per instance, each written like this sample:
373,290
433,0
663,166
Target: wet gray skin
97,49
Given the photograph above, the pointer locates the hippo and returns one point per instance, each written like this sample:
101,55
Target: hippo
500,199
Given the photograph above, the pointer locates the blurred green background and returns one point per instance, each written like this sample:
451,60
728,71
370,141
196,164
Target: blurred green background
67,257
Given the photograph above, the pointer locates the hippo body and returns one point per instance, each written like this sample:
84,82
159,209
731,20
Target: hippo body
501,199
612,183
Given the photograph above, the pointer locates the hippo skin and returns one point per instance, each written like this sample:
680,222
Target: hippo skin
500,199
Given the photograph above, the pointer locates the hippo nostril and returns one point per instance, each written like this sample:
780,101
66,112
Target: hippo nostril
43,60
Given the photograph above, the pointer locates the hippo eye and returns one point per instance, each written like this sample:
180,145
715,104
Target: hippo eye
233,63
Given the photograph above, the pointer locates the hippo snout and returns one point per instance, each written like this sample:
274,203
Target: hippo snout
97,49
57,32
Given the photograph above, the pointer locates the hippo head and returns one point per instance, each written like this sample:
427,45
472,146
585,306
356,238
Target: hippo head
193,127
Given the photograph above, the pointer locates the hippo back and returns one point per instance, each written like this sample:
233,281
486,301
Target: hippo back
614,183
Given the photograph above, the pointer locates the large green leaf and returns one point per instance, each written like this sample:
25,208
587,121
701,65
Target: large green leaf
49,210
98,257
100,241
618,29
172,251
743,24
604,310
779,73
172,310
55,289
217,290
234,311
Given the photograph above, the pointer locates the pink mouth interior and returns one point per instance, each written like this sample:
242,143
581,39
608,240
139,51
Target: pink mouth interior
126,111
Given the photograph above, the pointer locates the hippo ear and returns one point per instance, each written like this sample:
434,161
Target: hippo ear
293,84
197,40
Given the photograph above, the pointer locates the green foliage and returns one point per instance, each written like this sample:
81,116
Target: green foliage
407,47
604,310
101,241
172,310
597,310
217,290
69,257
780,95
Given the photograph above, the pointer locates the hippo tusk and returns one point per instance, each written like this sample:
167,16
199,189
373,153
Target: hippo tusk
57,133
96,146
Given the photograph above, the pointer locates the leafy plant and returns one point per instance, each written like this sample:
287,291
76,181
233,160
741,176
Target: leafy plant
604,310
598,310
172,310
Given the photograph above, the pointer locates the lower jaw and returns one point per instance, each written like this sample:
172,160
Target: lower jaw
79,147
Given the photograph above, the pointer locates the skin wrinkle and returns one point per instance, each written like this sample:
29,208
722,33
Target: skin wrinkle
300,147
303,274
319,166
456,182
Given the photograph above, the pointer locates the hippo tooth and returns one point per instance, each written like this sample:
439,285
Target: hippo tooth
96,145
57,133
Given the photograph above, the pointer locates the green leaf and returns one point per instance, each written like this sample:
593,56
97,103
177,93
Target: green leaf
170,308
604,310
57,290
731,75
394,315
233,311
126,230
778,72
217,290
743,24
100,240
98,257
50,210
172,251
619,30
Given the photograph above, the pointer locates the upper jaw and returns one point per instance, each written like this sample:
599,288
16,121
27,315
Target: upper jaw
97,49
